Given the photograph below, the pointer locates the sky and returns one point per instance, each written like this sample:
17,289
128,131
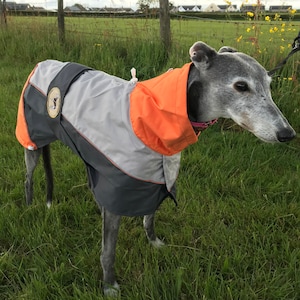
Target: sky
50,4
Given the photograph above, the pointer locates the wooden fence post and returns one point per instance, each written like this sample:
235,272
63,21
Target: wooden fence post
3,12
61,21
165,28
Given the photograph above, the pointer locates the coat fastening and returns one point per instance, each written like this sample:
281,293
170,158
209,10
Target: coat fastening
129,135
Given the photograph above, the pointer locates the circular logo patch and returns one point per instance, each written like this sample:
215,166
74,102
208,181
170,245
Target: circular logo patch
54,102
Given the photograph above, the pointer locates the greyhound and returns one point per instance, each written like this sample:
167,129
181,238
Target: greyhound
223,84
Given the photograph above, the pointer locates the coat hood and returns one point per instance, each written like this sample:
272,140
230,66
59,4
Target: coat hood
158,112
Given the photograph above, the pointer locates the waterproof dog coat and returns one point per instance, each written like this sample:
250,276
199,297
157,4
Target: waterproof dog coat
129,135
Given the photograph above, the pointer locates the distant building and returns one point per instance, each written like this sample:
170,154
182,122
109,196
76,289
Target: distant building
280,8
253,8
13,6
113,10
188,8
38,8
212,8
75,8
228,8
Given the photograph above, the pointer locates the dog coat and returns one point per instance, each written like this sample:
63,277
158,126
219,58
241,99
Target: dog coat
129,135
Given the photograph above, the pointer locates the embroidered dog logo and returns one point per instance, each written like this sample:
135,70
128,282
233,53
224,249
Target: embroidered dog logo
54,102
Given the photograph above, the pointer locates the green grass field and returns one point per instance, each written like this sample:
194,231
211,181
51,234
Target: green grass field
236,231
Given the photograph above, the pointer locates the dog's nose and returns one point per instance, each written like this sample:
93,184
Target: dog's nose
286,134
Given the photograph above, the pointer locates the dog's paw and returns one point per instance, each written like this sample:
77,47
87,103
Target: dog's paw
111,291
157,243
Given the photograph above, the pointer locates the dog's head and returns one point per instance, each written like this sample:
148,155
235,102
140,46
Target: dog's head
231,84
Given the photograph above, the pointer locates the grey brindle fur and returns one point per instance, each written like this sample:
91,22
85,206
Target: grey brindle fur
226,84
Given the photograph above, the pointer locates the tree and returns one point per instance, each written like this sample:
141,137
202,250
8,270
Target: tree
144,5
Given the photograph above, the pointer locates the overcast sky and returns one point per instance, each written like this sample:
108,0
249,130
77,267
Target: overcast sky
49,4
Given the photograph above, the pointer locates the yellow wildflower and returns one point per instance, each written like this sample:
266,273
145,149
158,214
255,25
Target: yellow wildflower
239,38
250,14
267,18
292,11
277,17
248,29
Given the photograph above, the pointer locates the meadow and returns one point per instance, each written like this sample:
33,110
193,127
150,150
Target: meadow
235,233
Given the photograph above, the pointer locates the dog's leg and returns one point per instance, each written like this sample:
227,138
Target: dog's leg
110,229
31,161
149,229
49,174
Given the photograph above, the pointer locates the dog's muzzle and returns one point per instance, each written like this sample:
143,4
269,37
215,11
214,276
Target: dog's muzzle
286,135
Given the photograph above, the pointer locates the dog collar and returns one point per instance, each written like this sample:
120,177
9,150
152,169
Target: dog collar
201,126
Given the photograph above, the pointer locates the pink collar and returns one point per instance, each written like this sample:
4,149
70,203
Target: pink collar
200,126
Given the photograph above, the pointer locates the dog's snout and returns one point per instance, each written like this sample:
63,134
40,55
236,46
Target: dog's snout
286,134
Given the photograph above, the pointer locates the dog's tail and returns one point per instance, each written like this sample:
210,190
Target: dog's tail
49,173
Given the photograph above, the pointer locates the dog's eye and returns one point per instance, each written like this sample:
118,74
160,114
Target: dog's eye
241,86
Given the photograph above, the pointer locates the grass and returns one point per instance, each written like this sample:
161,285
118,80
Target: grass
236,231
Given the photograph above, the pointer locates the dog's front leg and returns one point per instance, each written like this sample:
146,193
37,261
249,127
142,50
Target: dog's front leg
110,229
31,161
150,232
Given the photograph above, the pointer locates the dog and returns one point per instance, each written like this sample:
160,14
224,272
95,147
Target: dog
130,134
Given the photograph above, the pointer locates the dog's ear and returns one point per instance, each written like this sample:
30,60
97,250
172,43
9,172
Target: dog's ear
227,49
201,55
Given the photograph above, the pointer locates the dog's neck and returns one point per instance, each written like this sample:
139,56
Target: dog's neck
196,107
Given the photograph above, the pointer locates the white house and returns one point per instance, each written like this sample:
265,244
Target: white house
228,8
189,8
212,8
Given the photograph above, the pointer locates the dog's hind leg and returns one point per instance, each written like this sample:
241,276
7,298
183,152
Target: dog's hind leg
31,161
110,229
150,232
49,174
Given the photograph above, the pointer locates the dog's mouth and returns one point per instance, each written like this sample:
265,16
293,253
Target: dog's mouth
261,137
245,126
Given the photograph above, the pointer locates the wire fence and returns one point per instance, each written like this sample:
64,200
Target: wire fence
250,36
